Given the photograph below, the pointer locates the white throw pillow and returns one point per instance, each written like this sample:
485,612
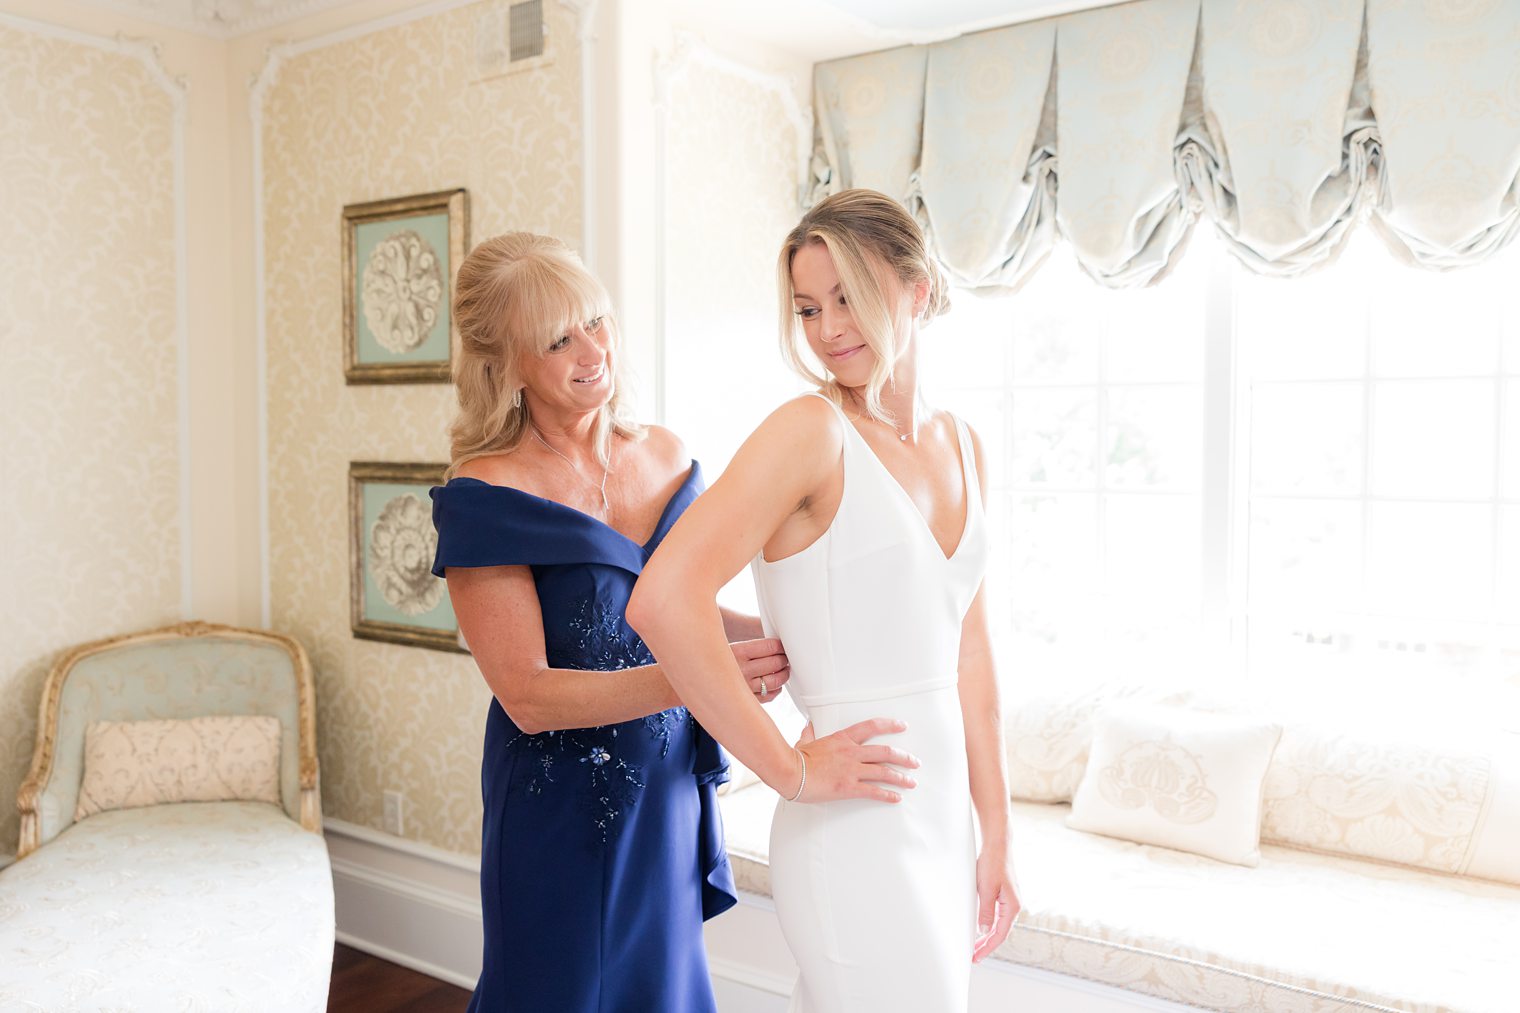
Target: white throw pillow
209,759
1048,735
1182,779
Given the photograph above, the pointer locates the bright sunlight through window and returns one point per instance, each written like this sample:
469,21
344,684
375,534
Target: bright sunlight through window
1309,482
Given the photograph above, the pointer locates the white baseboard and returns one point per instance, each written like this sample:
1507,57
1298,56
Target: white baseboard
409,903
419,906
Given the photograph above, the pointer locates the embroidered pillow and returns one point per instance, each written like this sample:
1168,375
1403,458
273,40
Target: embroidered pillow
1048,736
1396,795
209,759
1182,779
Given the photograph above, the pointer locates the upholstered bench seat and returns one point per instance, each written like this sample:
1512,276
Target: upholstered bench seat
1301,933
208,906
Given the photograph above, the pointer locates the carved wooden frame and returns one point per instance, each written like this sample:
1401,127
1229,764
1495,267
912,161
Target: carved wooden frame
29,798
360,472
456,204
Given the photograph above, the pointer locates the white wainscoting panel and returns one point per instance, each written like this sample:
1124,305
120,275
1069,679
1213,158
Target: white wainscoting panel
409,903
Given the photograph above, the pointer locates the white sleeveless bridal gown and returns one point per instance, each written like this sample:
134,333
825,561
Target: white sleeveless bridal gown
878,901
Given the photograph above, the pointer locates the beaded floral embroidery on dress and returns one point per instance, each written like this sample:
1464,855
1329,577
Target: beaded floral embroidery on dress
597,636
663,724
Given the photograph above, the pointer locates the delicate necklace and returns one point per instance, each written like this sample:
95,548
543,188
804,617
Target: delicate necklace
603,487
913,432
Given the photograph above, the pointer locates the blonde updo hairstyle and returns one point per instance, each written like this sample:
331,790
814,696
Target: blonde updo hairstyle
866,233
515,295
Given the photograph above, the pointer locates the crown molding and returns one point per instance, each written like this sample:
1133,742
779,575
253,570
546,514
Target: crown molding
218,19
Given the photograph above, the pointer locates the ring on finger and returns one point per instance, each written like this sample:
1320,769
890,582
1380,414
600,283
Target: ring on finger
764,692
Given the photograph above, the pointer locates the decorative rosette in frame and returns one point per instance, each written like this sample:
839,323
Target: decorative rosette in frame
393,593
399,260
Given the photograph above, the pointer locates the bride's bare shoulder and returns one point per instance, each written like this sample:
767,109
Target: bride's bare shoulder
800,438
806,415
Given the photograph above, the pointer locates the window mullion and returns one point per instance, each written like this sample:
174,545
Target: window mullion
1104,600
1496,511
1219,606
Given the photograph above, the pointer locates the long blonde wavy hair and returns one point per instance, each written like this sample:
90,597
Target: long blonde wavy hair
860,226
515,295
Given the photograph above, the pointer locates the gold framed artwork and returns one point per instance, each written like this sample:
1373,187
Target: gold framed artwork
400,257
393,595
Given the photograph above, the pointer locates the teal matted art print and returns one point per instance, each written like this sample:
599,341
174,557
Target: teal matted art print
400,257
393,593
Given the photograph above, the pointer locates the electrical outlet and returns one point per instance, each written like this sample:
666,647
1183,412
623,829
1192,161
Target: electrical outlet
395,803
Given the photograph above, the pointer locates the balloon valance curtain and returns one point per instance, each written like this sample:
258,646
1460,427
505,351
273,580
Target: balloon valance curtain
1284,122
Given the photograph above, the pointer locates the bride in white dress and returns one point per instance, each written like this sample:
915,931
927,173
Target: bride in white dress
860,510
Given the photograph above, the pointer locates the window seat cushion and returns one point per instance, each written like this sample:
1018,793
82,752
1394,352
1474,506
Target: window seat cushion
1301,933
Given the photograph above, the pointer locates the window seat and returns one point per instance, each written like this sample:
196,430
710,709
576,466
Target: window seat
1303,933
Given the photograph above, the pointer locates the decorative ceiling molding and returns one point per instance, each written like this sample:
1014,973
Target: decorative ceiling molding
912,22
219,19
911,16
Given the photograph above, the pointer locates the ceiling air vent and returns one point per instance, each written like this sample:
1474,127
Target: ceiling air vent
526,30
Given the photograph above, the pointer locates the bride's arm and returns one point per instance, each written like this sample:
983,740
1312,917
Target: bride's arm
739,626
981,712
498,611
772,480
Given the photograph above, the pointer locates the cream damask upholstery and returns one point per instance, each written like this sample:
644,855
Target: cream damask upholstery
184,671
203,905
1444,805
1300,933
212,906
1048,737
1305,931
1438,808
128,764
1178,778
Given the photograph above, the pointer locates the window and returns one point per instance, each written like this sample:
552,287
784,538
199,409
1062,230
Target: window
1311,481
1382,498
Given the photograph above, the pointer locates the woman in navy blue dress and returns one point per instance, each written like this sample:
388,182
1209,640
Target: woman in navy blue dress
602,850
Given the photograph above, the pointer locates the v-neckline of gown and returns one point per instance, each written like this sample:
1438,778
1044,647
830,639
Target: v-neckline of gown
659,526
923,523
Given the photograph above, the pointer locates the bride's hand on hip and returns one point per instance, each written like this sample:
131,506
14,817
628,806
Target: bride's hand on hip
997,900
764,666
842,765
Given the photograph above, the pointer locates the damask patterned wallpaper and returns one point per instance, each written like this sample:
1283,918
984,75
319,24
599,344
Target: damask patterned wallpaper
89,455
395,112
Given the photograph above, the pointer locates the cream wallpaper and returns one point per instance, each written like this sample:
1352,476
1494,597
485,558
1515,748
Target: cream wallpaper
394,112
89,451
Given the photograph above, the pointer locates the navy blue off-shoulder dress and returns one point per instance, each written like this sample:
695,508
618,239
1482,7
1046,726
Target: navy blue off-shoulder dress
602,851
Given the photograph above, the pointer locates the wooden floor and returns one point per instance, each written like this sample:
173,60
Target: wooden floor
365,984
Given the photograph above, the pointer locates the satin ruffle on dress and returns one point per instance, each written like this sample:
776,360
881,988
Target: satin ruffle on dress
602,850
